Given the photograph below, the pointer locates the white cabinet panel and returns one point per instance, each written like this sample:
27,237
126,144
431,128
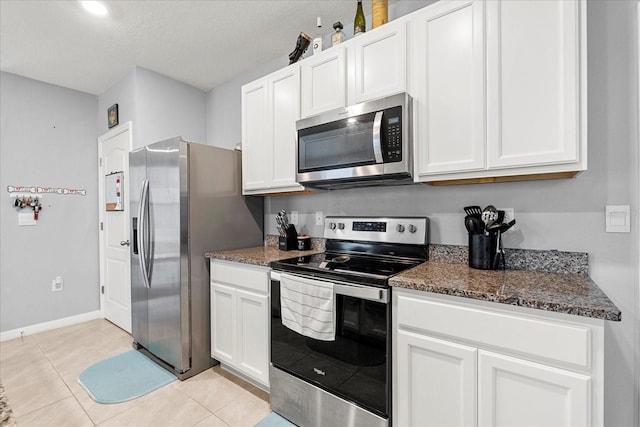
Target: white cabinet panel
253,334
436,382
533,65
514,392
285,108
256,153
223,333
448,85
324,78
380,60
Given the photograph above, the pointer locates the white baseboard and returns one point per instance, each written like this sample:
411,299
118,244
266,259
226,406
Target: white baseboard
47,326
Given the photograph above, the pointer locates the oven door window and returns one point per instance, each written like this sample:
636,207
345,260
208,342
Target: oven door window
354,366
340,144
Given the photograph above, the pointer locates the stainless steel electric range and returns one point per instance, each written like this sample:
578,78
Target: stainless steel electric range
331,322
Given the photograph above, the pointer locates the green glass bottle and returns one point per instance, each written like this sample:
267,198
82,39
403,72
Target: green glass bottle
359,23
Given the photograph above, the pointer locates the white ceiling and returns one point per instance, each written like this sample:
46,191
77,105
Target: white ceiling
202,43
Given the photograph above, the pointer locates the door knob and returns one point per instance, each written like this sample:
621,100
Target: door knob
124,243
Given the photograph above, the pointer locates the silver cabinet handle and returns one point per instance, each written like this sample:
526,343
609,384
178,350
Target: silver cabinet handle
377,142
124,243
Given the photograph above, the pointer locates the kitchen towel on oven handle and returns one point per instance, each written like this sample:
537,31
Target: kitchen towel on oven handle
308,307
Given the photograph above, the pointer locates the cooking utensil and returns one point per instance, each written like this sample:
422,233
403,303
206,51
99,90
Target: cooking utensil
473,210
473,224
499,251
501,227
489,216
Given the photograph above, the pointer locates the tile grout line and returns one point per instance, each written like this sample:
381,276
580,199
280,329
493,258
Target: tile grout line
64,382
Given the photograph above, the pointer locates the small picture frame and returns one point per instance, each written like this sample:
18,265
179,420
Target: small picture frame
112,115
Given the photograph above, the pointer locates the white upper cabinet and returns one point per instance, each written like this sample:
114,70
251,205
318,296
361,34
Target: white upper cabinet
499,89
256,151
534,85
324,78
270,108
448,87
366,67
379,61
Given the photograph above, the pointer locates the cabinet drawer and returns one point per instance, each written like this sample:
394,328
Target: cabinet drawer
242,275
549,340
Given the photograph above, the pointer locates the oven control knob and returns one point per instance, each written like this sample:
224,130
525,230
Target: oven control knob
413,228
400,228
332,225
341,226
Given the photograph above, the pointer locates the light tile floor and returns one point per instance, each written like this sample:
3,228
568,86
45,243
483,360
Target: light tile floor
40,376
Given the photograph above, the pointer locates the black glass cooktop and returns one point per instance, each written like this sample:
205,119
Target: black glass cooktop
371,270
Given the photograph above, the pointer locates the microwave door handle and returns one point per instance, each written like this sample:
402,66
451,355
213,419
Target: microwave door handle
377,138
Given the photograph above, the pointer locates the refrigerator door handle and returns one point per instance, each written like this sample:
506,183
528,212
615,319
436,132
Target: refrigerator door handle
142,226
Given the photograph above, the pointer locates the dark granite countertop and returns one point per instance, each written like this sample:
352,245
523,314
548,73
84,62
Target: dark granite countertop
568,293
544,280
258,255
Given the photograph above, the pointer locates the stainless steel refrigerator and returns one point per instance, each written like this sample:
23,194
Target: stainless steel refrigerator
186,200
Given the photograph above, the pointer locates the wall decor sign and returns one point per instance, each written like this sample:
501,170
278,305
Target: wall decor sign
112,115
46,190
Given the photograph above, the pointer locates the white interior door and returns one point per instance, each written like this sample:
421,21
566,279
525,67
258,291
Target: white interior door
115,262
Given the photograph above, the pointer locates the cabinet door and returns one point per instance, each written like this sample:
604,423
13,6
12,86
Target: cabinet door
256,147
435,382
381,61
323,81
223,328
253,335
514,392
447,69
533,86
284,104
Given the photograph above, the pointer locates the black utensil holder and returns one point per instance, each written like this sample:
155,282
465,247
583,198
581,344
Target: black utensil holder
482,251
290,241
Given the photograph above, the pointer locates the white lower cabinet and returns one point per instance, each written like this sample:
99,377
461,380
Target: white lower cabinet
516,392
436,382
240,318
458,362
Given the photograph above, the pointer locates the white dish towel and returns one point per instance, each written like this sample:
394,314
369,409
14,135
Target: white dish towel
308,307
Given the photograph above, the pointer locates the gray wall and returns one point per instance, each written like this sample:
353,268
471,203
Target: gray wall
559,214
122,93
48,139
159,107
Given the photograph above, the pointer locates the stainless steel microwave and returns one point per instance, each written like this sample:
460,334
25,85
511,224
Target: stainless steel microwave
365,144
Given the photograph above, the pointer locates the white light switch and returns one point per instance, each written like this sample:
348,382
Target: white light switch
26,218
618,219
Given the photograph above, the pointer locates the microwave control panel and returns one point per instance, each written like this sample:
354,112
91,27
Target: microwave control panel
392,129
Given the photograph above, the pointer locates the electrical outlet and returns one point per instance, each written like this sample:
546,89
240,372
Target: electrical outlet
319,218
294,217
57,284
509,214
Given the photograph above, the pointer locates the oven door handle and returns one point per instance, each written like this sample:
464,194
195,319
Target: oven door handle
363,292
371,294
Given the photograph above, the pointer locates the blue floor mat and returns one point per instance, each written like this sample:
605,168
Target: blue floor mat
274,420
123,377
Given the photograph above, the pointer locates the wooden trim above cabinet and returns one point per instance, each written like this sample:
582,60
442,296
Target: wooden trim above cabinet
514,178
